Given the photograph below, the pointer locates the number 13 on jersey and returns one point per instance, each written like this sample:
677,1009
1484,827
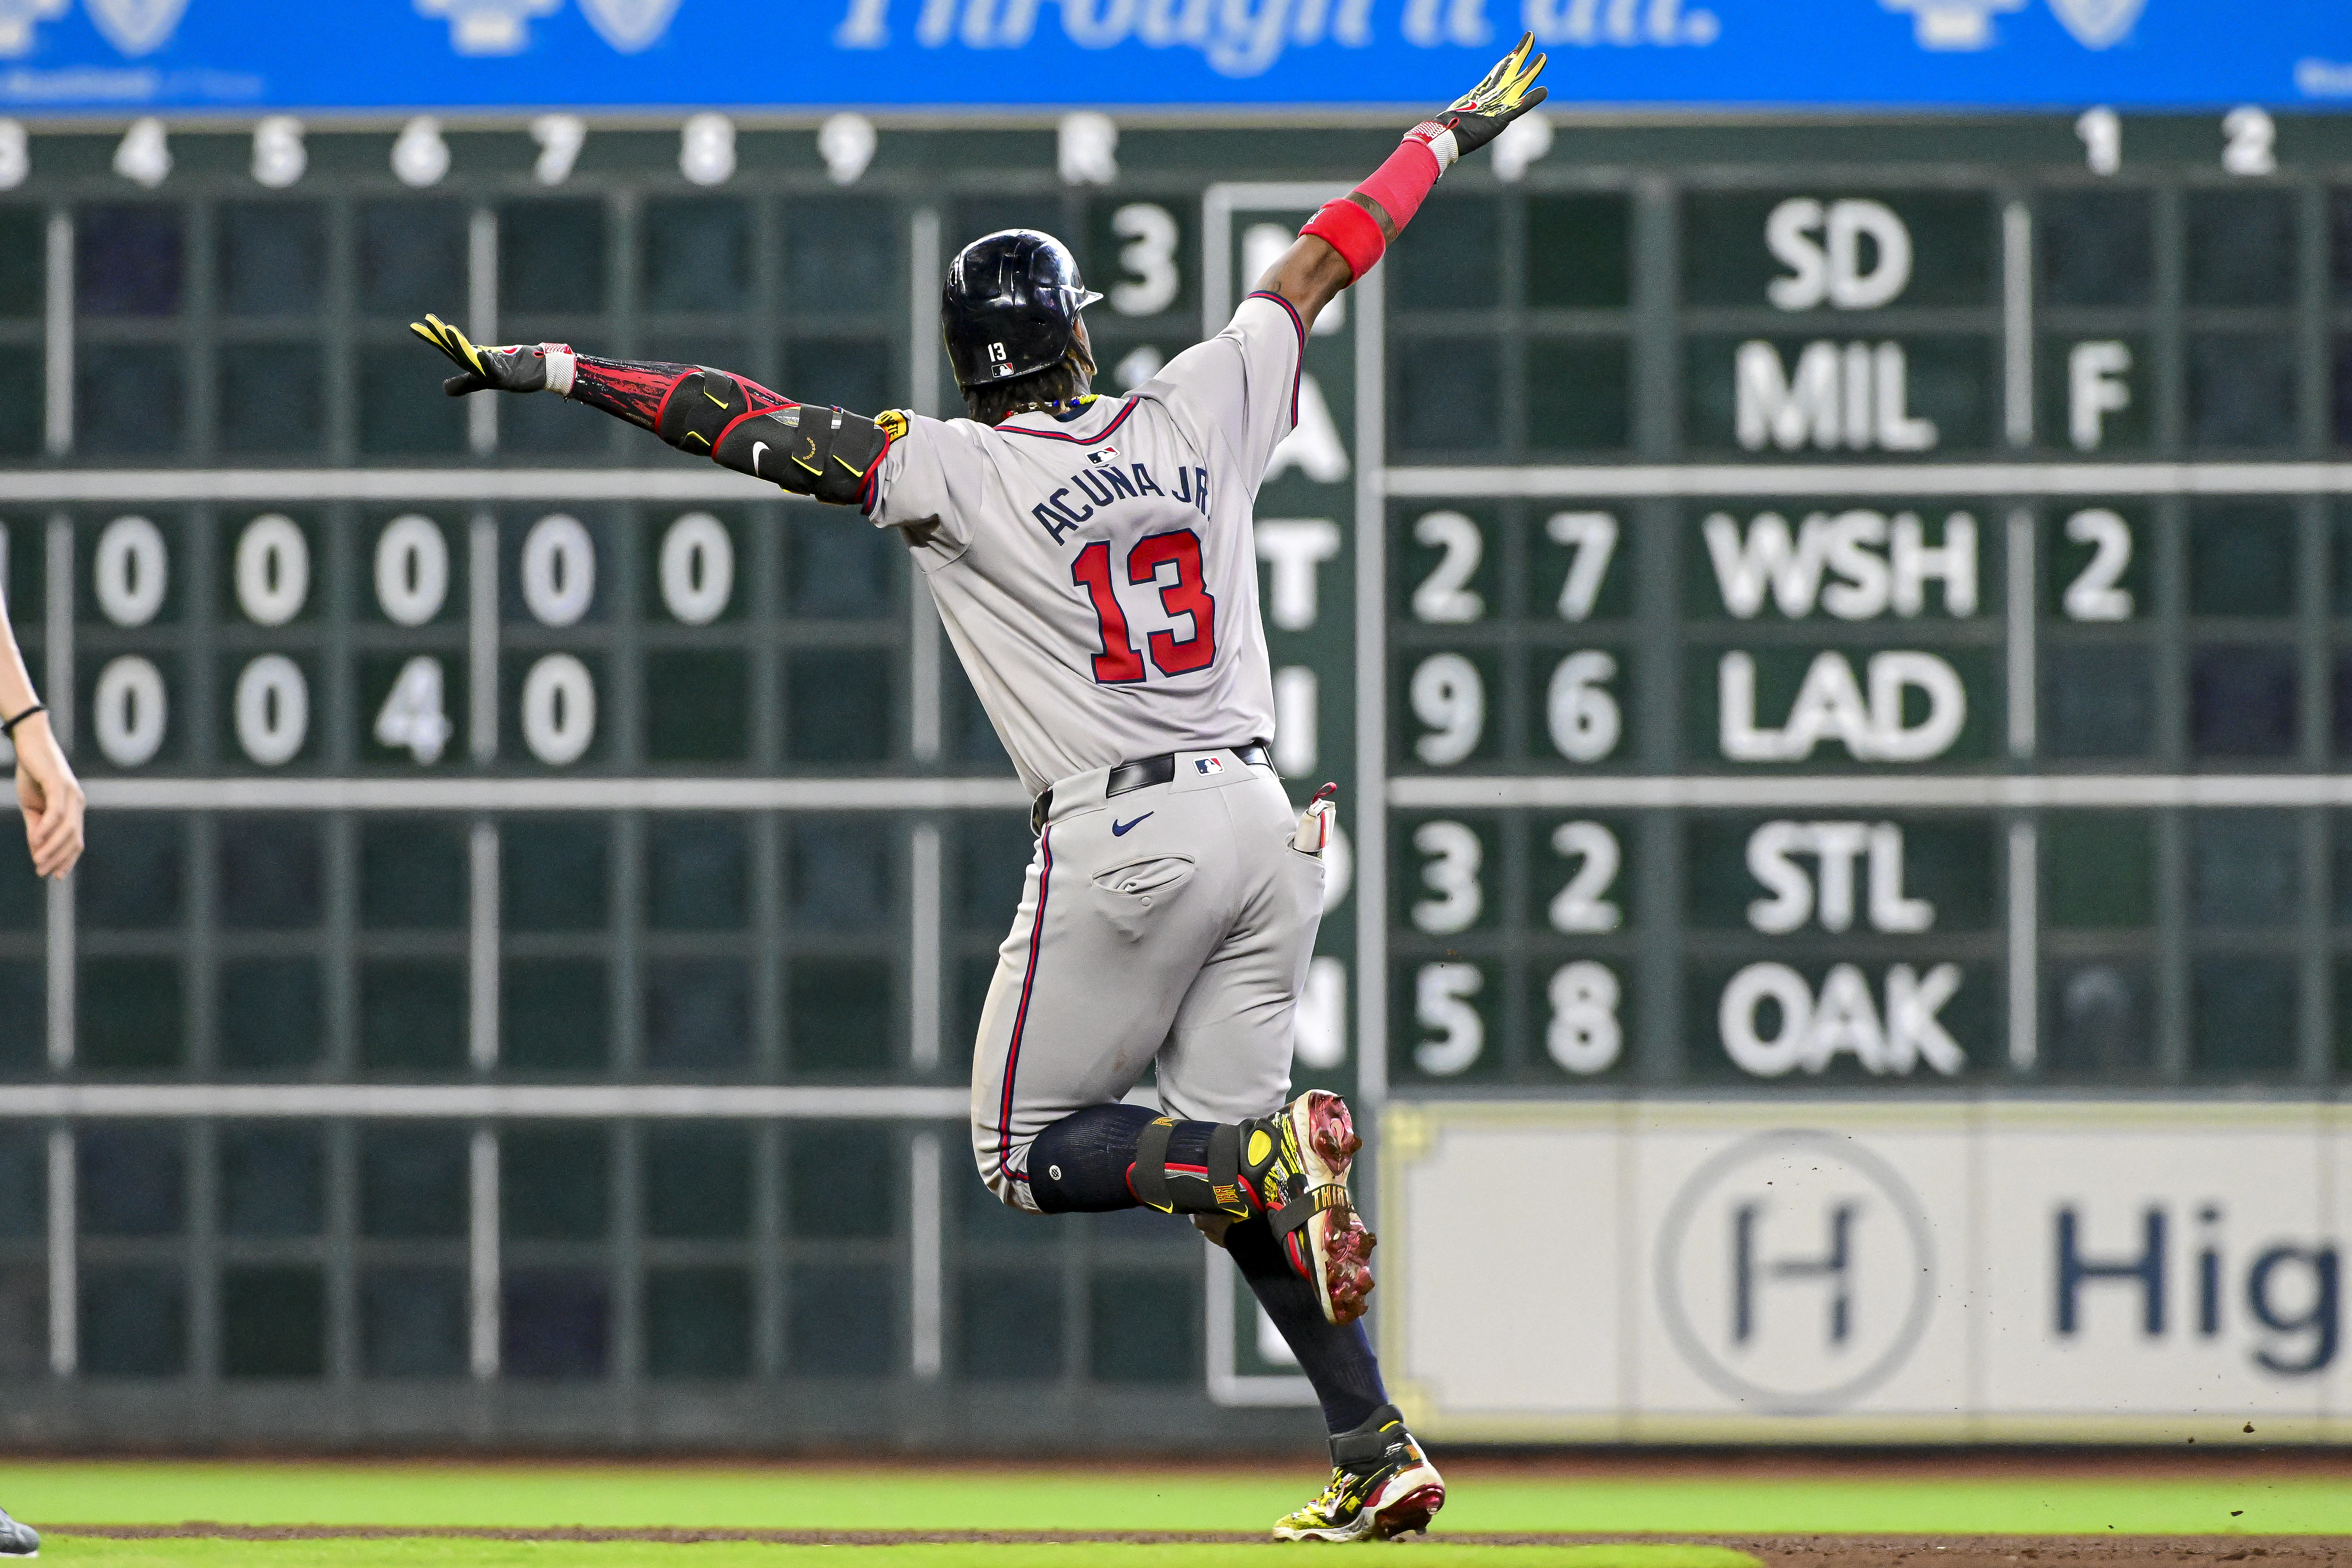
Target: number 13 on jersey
1170,561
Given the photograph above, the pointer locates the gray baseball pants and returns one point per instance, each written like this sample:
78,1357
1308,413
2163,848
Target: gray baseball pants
1172,923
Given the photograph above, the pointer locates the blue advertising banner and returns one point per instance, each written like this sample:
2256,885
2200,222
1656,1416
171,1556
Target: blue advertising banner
116,55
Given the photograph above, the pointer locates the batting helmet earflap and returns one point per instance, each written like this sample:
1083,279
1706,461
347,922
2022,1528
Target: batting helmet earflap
1011,306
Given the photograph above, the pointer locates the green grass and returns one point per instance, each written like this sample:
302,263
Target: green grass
1174,1498
444,1553
2167,1503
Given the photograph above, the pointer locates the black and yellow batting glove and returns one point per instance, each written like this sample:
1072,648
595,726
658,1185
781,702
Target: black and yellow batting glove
1478,116
520,367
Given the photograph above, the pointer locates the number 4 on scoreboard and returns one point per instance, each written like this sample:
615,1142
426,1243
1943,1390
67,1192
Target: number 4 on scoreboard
411,717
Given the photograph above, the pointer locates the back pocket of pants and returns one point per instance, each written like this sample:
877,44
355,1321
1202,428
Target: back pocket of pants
1128,893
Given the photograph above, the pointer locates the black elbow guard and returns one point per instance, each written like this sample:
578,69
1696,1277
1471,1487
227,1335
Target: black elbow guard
826,453
699,408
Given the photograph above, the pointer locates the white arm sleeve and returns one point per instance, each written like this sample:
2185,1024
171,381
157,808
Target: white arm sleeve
1243,383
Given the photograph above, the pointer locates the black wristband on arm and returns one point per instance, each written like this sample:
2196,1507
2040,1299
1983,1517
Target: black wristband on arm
9,726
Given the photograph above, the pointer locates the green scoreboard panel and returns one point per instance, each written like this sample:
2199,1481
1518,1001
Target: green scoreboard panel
1876,627
1787,604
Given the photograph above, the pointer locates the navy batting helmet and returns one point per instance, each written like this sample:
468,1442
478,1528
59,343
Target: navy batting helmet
1011,306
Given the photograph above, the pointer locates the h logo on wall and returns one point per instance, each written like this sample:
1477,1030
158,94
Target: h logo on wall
1795,1272
1987,1270
133,26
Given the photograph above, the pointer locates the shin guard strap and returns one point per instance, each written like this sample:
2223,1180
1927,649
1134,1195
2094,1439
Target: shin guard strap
1224,1168
1148,1175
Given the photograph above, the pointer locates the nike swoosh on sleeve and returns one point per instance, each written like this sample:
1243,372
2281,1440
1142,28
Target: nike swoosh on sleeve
757,448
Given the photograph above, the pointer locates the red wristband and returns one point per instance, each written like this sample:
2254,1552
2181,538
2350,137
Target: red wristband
1351,231
1400,183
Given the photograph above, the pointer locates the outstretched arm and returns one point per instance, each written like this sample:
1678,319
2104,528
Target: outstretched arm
827,453
1344,241
47,791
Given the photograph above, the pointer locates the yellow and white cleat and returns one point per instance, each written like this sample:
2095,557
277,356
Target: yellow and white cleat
1382,1486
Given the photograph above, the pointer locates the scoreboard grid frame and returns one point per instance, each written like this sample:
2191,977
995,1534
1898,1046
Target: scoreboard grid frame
2017,495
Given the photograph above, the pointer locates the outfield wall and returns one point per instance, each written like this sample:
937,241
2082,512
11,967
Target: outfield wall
1826,1271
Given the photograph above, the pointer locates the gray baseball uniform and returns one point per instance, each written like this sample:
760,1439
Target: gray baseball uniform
1098,579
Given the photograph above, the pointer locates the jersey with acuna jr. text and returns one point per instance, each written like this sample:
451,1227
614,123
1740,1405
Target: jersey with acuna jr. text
1098,574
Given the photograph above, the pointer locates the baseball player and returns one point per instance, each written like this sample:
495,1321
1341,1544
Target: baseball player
50,799
1092,561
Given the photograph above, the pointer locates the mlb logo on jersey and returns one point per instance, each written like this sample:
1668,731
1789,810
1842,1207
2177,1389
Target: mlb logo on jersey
1208,765
1103,456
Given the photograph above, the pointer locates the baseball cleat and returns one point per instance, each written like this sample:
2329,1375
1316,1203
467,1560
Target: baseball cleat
18,1539
1291,1167
1382,1486
1307,1200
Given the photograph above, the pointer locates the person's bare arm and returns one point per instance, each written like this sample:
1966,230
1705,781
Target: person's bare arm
1346,238
1311,273
47,791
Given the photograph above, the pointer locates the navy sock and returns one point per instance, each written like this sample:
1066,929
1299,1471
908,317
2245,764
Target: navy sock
1336,1359
1079,1163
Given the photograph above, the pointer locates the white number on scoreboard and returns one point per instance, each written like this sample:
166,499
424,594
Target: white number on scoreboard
412,719
128,708
1582,905
1584,1036
559,709
132,571
412,570
1441,1004
273,710
1592,537
558,570
273,570
1445,597
2096,593
698,568
1579,709
1450,700
1451,873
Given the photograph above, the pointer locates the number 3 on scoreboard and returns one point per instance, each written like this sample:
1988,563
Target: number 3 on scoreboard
1187,594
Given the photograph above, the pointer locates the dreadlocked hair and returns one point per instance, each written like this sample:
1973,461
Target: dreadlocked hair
1066,381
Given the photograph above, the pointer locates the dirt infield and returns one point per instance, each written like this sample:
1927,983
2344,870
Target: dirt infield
2036,1552
1778,1551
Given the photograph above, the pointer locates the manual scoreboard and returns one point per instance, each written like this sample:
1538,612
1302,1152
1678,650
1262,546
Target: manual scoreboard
1943,686
1860,606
